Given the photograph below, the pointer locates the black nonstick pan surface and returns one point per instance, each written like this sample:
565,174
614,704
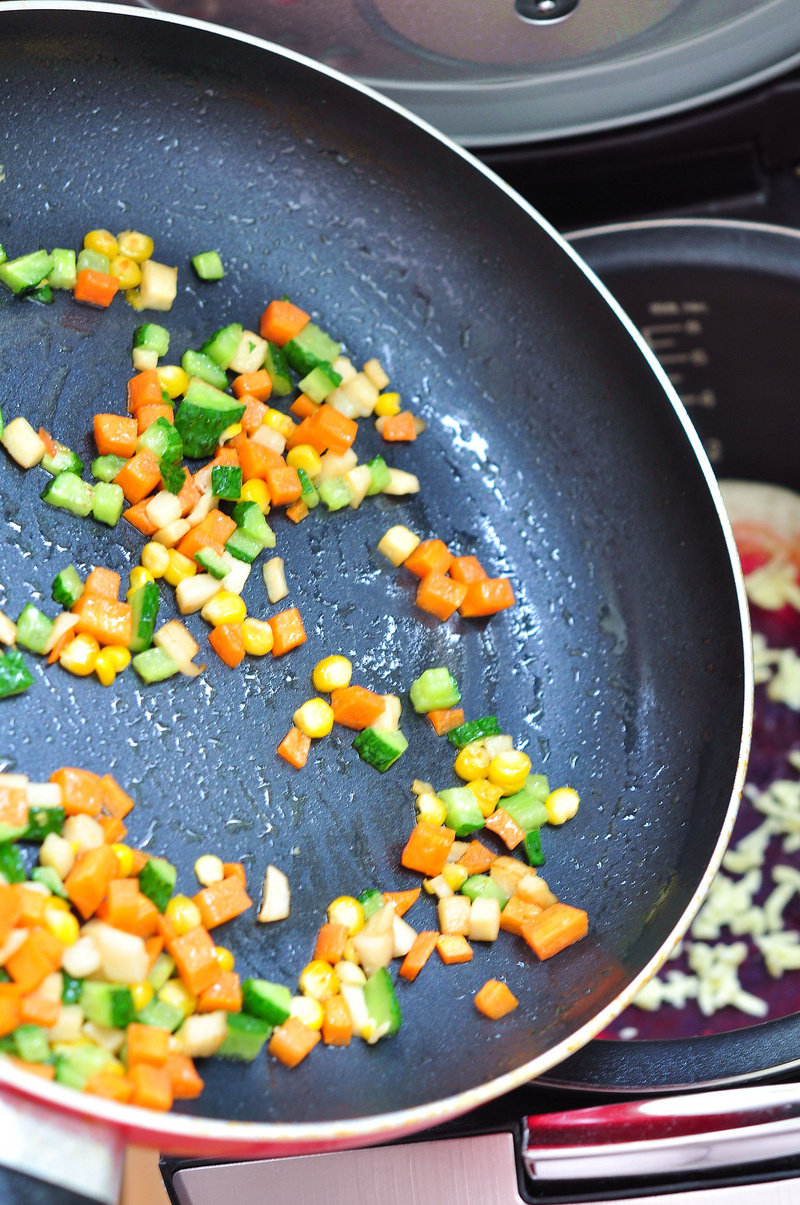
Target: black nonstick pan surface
552,451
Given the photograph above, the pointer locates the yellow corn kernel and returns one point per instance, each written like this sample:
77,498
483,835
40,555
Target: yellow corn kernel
126,270
225,959
431,808
179,567
175,992
135,245
139,576
332,672
155,559
561,804
142,994
63,925
173,380
80,655
487,794
314,718
229,433
257,636
255,490
58,904
224,607
347,910
183,914
105,669
120,656
307,1010
102,241
304,457
124,855
387,404
279,422
509,770
455,876
472,761
318,980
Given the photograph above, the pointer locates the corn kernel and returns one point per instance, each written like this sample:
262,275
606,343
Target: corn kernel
135,245
175,992
124,855
173,379
126,271
486,793
225,959
120,656
431,808
455,876
139,576
58,904
229,433
307,1010
257,636
142,994
387,404
105,669
102,241
561,804
183,914
472,761
255,490
209,869
347,910
304,457
314,718
279,422
332,672
318,980
80,655
63,925
224,607
179,567
509,771
155,559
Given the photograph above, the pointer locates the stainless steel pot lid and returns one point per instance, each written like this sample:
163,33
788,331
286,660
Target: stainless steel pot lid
507,71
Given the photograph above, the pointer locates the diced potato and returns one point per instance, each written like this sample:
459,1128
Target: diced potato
159,286
250,353
202,1034
163,508
275,896
397,544
484,919
375,372
454,913
22,443
192,593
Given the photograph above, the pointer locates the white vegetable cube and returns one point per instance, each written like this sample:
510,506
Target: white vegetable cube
375,372
163,508
8,630
274,576
454,914
82,958
389,719
403,936
275,896
374,950
57,853
236,579
204,504
359,479
533,889
83,832
202,1034
22,443
177,641
192,593
172,534
64,622
506,872
361,393
398,543
69,1024
250,353
159,286
268,437
123,956
344,368
44,795
401,483
144,358
336,464
484,919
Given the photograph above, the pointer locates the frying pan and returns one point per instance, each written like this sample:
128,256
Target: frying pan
554,450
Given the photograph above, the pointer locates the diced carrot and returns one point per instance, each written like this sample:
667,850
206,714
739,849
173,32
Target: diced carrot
13,806
477,857
427,848
115,435
217,525
401,900
113,828
235,870
144,390
50,444
295,748
110,1085
189,495
109,620
139,476
331,941
257,384
355,706
487,597
254,412
228,643
423,946
303,433
303,407
337,1024
10,910
139,860
59,646
152,1087
430,556
186,1083
147,1044
95,288
138,518
151,412
81,790
453,947
444,719
284,485
399,428
195,958
115,801
42,1070
297,511
281,321
105,583
439,595
506,829
495,999
127,908
9,1008
226,994
87,882
287,631
222,901
256,459
38,956
153,947
554,929
38,1010
292,1041
330,429
467,569
31,904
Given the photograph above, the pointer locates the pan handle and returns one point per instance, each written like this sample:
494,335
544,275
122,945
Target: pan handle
685,1133
70,1153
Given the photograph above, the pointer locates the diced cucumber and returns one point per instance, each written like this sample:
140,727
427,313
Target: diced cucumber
71,988
33,628
163,440
380,475
527,808
31,1044
271,1002
226,481
26,271
76,1066
157,881
173,476
311,348
380,747
161,1014
62,460
371,901
198,364
108,1004
95,260
435,689
105,468
277,367
42,293
482,885
153,337
203,415
382,1005
154,665
243,546
64,271
69,492
245,1037
144,602
249,517
318,383
222,345
215,564
463,813
15,677
335,492
67,587
108,503
50,878
11,865
309,493
42,821
473,730
208,265
533,847
161,971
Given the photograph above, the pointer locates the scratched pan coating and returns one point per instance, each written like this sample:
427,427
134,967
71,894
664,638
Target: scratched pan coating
552,452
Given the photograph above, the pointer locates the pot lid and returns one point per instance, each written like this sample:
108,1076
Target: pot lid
495,72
